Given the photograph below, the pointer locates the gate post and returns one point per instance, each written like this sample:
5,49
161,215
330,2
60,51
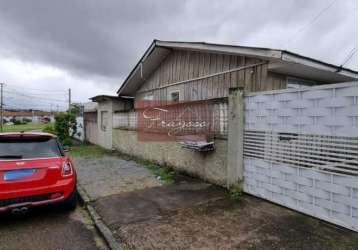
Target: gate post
235,149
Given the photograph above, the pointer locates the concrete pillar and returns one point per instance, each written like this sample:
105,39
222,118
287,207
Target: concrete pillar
235,160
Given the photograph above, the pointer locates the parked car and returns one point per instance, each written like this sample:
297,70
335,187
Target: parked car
34,170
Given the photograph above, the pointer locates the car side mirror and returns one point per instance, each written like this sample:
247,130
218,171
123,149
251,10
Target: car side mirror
66,149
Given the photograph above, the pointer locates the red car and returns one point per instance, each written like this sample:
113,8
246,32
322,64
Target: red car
34,170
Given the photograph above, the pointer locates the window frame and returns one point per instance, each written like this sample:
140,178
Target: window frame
297,83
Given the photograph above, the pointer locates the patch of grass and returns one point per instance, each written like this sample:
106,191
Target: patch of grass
88,150
24,127
165,173
126,247
235,192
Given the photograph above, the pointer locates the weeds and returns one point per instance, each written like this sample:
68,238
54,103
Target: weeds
235,192
126,247
87,150
165,173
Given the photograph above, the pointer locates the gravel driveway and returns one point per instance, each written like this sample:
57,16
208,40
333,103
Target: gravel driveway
108,175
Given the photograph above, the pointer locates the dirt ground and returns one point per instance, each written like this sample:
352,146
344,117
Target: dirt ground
201,216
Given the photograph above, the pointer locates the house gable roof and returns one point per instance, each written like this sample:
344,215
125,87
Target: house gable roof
101,98
281,61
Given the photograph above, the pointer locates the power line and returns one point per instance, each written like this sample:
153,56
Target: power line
30,96
350,55
40,94
26,105
34,89
312,21
37,99
34,106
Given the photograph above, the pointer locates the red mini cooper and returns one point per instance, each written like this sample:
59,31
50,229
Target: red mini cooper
34,171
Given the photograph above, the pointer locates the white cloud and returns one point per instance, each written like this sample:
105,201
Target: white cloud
39,86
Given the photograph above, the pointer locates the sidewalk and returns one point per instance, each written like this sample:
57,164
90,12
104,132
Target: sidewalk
136,210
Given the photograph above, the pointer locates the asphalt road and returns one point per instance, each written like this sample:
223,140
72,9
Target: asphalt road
49,228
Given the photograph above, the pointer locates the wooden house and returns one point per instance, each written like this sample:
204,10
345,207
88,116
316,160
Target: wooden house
187,72
191,71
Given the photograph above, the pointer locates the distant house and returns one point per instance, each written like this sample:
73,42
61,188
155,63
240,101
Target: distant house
190,72
29,116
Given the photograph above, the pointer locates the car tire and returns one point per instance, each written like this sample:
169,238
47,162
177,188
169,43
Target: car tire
71,203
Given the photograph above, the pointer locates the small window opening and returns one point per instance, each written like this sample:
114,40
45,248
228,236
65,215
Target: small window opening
104,120
296,83
175,96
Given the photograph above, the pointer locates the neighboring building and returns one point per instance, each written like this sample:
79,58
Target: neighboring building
106,107
90,122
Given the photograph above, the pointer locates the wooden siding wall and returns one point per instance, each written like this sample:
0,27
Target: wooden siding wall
184,65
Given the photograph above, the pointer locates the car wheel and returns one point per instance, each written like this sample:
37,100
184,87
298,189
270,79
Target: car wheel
71,203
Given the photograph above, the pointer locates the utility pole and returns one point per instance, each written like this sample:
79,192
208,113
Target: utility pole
69,100
2,107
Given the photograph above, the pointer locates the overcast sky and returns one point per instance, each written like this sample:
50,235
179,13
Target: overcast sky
48,46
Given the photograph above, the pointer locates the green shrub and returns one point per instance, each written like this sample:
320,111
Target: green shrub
16,122
65,127
67,142
49,129
26,120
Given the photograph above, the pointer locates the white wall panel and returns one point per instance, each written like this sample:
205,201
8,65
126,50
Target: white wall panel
331,110
301,150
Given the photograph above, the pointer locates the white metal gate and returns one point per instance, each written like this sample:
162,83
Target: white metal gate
301,150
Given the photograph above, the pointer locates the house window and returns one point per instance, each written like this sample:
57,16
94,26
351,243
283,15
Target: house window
149,97
175,96
104,120
296,83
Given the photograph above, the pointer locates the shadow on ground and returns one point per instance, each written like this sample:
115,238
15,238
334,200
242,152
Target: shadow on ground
196,215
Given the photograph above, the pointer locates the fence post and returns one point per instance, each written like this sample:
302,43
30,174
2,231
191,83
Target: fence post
235,154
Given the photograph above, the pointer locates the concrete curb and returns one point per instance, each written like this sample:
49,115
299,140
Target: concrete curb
97,220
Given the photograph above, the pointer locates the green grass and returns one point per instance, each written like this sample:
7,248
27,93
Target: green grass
23,127
88,150
165,173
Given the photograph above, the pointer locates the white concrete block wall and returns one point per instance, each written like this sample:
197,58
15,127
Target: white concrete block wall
319,110
313,168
